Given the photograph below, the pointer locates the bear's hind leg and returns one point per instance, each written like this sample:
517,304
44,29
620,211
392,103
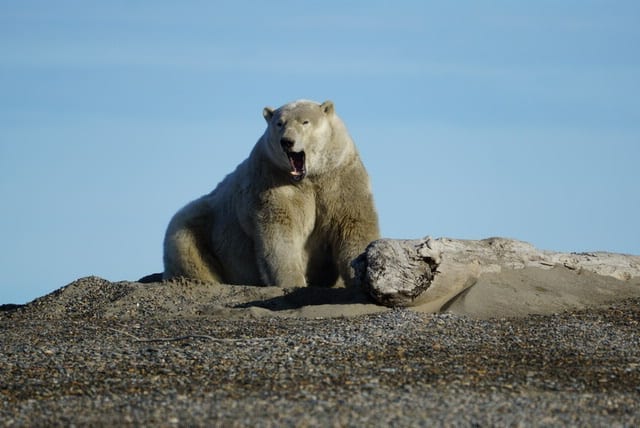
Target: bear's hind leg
187,252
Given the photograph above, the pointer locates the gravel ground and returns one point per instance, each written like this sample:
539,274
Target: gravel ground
397,368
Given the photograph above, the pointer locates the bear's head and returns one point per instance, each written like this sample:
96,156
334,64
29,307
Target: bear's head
299,137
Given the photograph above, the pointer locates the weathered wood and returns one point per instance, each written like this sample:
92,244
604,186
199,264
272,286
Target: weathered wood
396,272
429,272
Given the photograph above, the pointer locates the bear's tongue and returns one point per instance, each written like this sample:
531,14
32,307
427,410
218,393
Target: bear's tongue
296,160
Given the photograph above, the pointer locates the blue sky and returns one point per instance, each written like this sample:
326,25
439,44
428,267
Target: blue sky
474,119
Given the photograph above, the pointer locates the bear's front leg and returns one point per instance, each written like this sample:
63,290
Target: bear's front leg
279,257
283,219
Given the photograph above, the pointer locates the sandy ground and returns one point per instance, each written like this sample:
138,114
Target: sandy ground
530,346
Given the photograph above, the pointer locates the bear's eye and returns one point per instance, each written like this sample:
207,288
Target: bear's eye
306,122
279,124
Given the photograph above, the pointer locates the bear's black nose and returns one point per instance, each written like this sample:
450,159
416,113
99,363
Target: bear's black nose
287,143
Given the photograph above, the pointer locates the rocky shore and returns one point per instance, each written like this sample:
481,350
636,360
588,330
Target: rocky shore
67,361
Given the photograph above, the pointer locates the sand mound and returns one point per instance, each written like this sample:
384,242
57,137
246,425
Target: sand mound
509,293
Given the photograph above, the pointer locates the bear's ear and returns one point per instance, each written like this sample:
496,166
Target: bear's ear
267,112
327,107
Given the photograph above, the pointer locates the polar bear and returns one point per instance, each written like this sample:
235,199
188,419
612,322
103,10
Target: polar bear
296,212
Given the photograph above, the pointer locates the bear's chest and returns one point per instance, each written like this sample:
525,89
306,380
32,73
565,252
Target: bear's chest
291,208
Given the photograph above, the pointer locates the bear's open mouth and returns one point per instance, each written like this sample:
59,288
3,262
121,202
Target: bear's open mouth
296,160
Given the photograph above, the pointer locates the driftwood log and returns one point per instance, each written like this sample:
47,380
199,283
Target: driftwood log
430,272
